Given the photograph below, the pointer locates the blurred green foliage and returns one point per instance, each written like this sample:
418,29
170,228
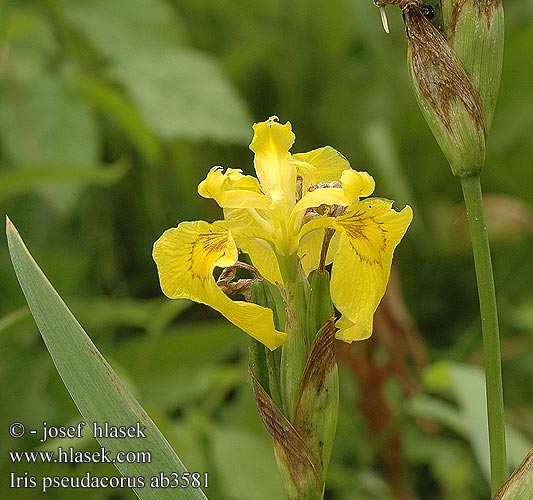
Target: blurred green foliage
112,111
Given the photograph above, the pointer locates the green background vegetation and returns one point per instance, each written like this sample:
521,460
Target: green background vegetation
111,113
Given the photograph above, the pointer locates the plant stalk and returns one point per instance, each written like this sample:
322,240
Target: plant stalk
473,197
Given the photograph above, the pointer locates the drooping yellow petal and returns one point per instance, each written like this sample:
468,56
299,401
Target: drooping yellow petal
370,230
186,257
273,165
232,189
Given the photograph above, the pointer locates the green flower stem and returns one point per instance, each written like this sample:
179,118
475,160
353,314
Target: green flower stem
489,325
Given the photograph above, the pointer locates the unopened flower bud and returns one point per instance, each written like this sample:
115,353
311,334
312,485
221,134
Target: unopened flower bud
447,97
455,62
475,32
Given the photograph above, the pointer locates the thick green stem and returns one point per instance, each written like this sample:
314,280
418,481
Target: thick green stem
489,326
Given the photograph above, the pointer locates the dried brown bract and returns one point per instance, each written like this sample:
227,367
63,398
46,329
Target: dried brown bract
440,75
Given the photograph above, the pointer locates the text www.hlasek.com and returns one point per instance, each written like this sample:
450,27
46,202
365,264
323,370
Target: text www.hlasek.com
70,455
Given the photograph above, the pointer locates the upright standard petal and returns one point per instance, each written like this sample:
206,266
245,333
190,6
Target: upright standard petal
324,164
370,230
273,164
186,257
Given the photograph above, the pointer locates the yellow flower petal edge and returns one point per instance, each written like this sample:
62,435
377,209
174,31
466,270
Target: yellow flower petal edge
370,231
186,257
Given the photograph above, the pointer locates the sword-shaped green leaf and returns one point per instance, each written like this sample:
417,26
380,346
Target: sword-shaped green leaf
93,385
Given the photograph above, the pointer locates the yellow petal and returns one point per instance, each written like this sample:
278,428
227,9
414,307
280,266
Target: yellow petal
370,229
311,247
357,184
349,331
273,165
353,185
253,235
263,258
328,164
186,257
232,189
323,196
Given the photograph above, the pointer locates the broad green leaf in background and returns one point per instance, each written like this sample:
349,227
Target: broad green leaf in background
114,105
28,44
95,388
468,383
46,121
54,125
184,93
119,28
180,92
468,418
231,444
34,177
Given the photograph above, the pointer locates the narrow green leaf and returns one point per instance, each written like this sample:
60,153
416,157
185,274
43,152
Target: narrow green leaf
319,305
95,388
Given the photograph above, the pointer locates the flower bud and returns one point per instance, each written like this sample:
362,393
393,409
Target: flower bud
317,401
447,98
475,32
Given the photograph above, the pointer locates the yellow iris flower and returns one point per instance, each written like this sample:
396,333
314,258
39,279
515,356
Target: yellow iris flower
279,218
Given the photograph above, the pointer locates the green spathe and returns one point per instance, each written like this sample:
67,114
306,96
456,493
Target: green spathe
303,444
476,34
520,485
